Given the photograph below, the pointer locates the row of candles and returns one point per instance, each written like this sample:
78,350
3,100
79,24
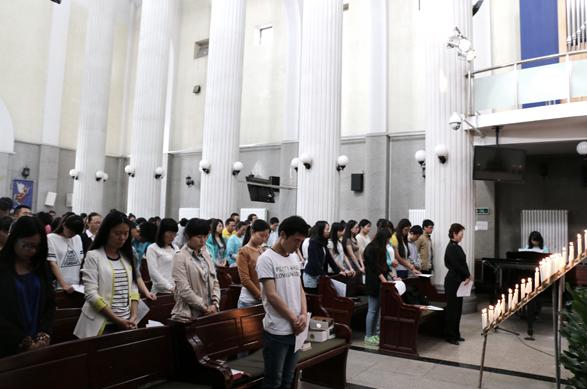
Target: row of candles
547,268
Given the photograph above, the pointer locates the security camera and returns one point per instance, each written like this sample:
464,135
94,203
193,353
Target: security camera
455,121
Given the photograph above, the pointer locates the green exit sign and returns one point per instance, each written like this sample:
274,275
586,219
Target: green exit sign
482,211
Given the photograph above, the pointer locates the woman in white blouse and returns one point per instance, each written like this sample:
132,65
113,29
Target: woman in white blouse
159,257
109,276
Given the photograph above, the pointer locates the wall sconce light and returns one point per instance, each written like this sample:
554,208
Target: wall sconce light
99,175
105,177
130,170
159,172
420,157
306,160
582,149
189,181
205,166
237,167
441,152
25,172
463,46
74,173
295,162
341,162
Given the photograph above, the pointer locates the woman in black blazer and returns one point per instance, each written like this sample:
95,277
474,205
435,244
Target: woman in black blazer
456,262
28,310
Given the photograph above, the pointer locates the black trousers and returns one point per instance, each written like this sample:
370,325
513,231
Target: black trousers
453,312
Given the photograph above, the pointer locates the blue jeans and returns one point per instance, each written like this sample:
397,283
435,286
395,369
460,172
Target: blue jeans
280,360
372,325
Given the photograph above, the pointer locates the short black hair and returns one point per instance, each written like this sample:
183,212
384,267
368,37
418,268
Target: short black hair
148,232
91,215
274,220
234,214
166,225
241,224
195,227
416,230
74,223
183,222
427,223
21,206
455,228
293,225
141,220
228,221
6,204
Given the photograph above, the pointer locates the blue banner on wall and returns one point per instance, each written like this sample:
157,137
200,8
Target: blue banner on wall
22,192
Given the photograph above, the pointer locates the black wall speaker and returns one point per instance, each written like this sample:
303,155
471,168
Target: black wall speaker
357,182
275,181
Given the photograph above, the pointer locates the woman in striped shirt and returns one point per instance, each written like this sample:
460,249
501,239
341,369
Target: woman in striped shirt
109,278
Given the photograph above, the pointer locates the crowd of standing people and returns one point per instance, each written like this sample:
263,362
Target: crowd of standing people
278,262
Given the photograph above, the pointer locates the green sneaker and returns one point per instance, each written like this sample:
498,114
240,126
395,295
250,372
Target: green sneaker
372,340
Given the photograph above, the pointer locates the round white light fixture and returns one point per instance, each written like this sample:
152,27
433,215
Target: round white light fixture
306,160
205,166
99,175
105,177
342,162
130,170
441,152
420,156
237,167
159,172
582,148
74,173
295,162
464,44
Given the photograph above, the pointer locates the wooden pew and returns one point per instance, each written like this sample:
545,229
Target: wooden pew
69,300
350,311
426,289
218,338
400,322
229,297
227,276
66,318
129,359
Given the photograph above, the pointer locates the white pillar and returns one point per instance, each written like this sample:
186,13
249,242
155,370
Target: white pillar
320,107
291,114
93,118
56,72
148,120
450,194
222,110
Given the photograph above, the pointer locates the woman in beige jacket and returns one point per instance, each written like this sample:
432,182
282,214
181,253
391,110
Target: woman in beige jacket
197,291
109,276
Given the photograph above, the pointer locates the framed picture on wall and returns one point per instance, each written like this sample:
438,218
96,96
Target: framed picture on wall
22,192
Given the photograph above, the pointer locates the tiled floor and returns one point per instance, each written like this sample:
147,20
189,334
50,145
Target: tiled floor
515,361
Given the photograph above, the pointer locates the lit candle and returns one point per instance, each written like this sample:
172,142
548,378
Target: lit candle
491,315
522,289
503,304
484,318
565,255
536,279
571,252
516,295
579,245
510,299
542,272
529,286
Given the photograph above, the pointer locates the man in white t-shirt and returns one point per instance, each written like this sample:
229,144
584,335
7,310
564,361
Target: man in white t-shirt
284,302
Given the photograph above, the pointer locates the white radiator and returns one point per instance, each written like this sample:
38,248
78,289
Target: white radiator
416,216
552,224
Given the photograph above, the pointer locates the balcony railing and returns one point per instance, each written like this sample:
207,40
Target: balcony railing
510,86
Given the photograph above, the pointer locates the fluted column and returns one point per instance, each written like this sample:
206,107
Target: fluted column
291,114
320,102
449,187
93,116
222,109
148,120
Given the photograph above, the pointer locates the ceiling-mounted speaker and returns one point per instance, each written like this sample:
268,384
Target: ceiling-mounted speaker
357,182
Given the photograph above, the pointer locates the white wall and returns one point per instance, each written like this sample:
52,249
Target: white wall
24,39
505,31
